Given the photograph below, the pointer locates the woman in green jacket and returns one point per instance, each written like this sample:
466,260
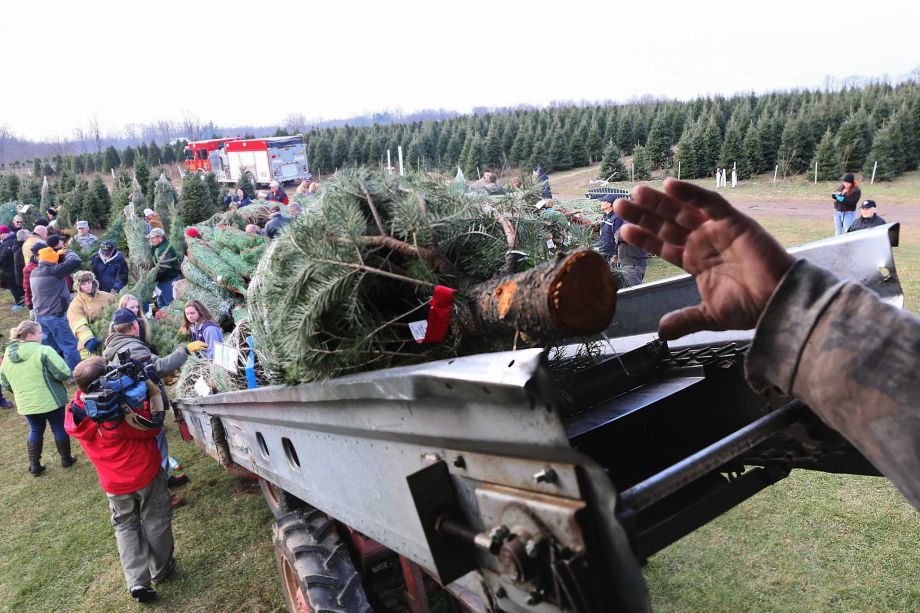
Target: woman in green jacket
35,374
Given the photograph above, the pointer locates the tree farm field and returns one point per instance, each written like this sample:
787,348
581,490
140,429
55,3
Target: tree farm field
812,542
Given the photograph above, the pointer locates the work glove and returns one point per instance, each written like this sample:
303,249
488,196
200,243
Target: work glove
92,344
196,346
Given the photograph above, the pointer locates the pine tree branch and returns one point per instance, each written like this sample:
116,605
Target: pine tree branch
394,244
375,271
370,202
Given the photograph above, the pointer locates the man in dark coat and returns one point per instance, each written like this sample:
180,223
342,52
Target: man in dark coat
868,218
168,271
8,246
276,222
110,267
610,224
540,177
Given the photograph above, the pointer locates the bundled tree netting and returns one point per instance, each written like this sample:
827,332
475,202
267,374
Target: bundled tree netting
203,255
337,292
7,212
140,256
164,201
221,307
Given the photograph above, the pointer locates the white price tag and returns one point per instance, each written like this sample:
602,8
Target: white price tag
418,329
226,357
550,244
202,387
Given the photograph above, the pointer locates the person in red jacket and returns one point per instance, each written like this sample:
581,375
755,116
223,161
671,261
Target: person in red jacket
276,193
127,461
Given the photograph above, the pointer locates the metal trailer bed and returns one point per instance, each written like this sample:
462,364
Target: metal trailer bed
516,489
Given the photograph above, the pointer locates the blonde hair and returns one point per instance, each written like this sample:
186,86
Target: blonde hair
24,329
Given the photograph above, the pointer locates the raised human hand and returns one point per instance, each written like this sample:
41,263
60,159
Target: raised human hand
736,263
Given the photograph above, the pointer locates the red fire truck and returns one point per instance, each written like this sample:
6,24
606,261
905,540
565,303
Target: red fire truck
281,158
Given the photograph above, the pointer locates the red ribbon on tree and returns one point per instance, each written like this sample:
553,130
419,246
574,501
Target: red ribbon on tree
442,304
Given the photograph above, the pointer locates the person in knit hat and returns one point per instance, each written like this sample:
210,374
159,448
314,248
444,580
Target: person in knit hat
85,308
51,298
846,198
110,267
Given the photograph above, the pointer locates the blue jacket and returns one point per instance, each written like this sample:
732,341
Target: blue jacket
50,296
607,242
208,332
228,200
112,275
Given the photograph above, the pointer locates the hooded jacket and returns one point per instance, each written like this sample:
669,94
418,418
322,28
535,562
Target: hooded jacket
50,296
87,308
112,272
118,342
7,261
126,458
34,372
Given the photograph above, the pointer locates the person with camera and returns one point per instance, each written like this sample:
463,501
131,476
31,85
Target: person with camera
35,373
85,308
845,200
126,338
121,444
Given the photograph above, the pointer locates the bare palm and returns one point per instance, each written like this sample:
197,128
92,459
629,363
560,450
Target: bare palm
736,263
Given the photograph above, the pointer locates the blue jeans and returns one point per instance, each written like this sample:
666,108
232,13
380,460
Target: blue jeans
37,425
59,329
842,221
166,292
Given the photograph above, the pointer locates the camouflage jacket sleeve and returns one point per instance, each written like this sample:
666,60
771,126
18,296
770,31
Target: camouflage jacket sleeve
853,359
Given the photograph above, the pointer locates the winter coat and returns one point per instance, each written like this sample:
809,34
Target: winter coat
861,223
607,242
87,308
143,327
118,342
547,192
50,296
165,256
112,273
279,196
27,282
18,263
84,242
126,458
245,201
34,373
275,223
7,260
849,201
208,332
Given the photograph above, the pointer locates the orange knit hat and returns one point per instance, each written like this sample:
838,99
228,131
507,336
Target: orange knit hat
48,255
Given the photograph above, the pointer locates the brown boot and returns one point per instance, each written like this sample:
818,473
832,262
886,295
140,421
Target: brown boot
63,449
35,457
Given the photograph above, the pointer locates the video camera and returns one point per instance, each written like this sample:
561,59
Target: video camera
121,390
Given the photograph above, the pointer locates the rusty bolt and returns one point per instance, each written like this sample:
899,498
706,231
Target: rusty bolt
547,475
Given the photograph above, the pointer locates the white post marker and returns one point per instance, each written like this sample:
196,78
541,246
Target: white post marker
816,172
402,171
734,176
775,172
389,164
678,170
874,168
718,179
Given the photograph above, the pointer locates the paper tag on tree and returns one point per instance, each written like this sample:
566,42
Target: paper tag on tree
226,357
550,244
202,388
434,330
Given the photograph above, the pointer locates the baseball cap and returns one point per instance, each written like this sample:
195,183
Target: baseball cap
82,224
608,198
123,316
157,232
148,212
107,247
868,204
38,246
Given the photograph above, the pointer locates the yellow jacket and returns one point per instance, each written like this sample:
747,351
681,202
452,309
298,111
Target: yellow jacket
84,309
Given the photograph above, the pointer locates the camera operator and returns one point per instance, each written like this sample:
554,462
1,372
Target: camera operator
125,455
126,338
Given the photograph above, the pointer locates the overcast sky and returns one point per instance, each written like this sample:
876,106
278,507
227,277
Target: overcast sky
257,62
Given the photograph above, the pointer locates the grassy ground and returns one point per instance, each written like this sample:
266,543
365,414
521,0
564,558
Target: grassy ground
814,542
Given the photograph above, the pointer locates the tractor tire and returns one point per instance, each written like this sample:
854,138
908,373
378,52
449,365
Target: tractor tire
317,574
278,501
